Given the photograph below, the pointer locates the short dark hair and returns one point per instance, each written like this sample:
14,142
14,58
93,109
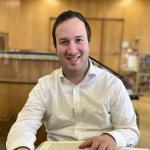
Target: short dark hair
68,15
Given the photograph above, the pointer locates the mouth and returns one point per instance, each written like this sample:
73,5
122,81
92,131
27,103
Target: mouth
73,59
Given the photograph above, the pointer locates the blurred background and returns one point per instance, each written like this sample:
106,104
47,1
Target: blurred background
120,41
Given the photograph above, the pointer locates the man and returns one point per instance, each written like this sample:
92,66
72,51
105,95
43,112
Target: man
78,101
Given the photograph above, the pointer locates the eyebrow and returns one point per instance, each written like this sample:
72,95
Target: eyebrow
61,39
79,36
65,38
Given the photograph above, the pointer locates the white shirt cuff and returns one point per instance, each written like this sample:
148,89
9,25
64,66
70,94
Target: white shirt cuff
120,140
19,143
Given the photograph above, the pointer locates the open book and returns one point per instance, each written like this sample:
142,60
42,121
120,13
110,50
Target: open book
70,145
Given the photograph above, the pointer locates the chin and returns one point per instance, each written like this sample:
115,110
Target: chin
73,69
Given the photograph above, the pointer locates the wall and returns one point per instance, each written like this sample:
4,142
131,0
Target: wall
20,75
27,21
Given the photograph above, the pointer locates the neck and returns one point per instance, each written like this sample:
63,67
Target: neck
76,76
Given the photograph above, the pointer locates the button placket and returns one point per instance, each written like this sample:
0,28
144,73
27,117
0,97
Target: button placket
77,111
77,103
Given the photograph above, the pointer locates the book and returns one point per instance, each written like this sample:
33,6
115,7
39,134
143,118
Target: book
71,145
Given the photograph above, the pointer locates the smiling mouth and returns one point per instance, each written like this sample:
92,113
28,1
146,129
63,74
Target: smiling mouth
73,59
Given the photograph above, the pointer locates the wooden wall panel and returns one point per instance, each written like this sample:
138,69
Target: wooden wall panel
112,36
5,106
137,24
20,70
13,97
111,61
111,42
144,36
3,17
14,24
17,77
96,27
27,21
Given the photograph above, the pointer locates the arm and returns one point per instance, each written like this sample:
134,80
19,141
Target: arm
123,119
23,131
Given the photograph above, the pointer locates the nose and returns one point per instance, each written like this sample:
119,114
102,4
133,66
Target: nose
72,48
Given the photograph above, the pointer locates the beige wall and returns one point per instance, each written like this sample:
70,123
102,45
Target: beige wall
28,21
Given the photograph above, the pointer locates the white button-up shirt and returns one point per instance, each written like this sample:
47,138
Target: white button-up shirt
98,104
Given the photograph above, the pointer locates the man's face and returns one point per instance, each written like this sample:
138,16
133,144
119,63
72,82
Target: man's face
72,46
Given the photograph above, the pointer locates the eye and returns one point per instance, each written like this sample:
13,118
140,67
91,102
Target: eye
63,42
79,40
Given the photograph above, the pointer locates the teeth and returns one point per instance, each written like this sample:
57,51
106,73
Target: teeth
74,58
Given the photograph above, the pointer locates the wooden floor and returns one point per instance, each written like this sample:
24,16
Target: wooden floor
143,108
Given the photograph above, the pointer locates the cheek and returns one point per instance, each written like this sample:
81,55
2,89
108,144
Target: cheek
84,47
60,50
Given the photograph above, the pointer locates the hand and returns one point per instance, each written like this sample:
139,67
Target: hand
102,142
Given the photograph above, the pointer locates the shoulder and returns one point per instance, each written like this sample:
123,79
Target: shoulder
106,75
49,79
108,80
50,76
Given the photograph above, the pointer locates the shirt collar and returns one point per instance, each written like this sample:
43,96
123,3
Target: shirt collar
92,70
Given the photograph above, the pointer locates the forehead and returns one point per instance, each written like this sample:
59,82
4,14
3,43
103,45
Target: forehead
73,26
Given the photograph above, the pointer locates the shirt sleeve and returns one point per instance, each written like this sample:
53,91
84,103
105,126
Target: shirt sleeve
23,132
125,130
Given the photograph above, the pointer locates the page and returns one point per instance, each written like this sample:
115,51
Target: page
70,145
